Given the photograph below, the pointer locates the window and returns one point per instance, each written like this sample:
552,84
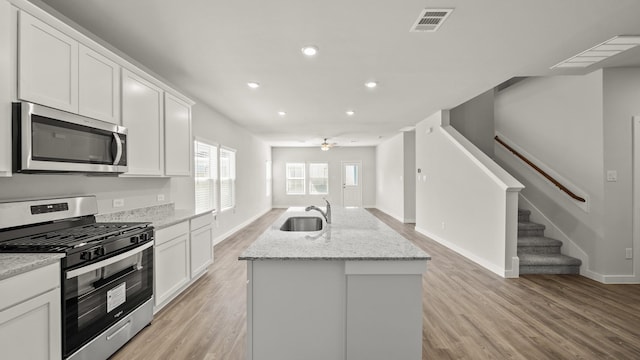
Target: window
295,179
227,178
206,175
318,179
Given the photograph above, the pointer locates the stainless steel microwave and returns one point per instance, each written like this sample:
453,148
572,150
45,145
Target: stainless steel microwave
54,141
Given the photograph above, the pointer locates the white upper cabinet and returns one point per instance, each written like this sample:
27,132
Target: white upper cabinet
99,86
47,65
142,116
177,142
7,85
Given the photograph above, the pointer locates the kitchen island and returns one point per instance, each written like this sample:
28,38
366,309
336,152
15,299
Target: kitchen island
351,290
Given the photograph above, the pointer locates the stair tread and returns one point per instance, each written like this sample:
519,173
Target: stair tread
547,260
530,225
538,241
524,212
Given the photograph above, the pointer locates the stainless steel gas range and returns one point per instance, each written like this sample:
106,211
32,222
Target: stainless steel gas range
107,271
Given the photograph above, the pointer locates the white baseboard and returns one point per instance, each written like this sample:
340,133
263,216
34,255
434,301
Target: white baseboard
224,236
478,260
409,221
620,279
515,269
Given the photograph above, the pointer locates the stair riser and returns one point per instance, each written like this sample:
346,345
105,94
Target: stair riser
523,217
530,232
549,269
539,249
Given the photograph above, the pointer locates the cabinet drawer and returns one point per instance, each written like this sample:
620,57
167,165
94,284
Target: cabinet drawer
171,232
201,221
27,285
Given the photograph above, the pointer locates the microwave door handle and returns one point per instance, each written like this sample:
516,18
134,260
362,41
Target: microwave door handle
118,142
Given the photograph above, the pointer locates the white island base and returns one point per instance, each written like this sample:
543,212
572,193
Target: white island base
334,309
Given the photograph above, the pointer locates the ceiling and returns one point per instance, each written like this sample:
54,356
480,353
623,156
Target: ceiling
210,49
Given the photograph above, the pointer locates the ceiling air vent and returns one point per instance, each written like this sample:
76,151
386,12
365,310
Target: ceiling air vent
430,20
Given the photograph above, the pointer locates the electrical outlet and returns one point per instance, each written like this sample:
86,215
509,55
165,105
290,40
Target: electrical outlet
612,175
629,253
443,225
118,203
160,197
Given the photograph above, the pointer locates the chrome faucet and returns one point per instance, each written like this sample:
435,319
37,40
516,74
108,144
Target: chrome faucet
327,215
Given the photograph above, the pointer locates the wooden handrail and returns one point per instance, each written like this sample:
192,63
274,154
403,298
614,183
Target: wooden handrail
542,172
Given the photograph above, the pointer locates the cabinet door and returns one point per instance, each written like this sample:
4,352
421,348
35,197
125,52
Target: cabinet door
31,329
47,65
201,250
99,84
171,268
7,85
142,116
177,141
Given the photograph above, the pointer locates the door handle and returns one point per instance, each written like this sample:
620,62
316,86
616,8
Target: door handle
118,149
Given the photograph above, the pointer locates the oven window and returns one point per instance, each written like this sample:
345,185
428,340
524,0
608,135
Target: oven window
97,299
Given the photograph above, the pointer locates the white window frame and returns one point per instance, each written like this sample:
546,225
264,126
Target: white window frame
312,188
231,177
303,178
211,177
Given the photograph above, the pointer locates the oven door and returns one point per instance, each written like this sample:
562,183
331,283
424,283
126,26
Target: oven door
97,295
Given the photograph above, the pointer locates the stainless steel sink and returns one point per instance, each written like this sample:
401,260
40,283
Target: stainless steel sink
301,223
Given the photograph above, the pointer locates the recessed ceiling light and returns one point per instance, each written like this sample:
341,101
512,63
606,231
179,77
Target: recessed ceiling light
371,84
310,50
600,52
253,85
350,112
282,113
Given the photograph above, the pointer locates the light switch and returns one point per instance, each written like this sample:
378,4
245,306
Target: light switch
612,175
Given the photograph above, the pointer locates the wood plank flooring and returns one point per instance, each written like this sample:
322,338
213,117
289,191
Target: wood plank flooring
469,312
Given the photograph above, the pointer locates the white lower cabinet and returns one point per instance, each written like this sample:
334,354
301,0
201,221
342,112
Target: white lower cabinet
201,244
182,254
30,315
171,268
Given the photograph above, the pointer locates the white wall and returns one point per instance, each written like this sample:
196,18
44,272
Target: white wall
462,197
474,119
390,176
558,122
251,157
396,176
621,103
409,176
281,156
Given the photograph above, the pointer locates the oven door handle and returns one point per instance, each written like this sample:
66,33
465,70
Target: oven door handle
85,269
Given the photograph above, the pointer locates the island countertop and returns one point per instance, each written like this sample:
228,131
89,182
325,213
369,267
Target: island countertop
354,234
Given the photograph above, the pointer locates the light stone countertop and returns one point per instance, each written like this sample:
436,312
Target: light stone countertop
354,234
160,216
18,263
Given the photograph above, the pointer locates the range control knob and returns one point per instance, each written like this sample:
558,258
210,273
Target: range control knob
135,239
86,255
144,237
99,251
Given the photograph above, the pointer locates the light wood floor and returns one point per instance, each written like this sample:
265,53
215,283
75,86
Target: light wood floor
469,313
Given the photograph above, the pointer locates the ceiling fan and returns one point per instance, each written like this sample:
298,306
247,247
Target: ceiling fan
325,146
